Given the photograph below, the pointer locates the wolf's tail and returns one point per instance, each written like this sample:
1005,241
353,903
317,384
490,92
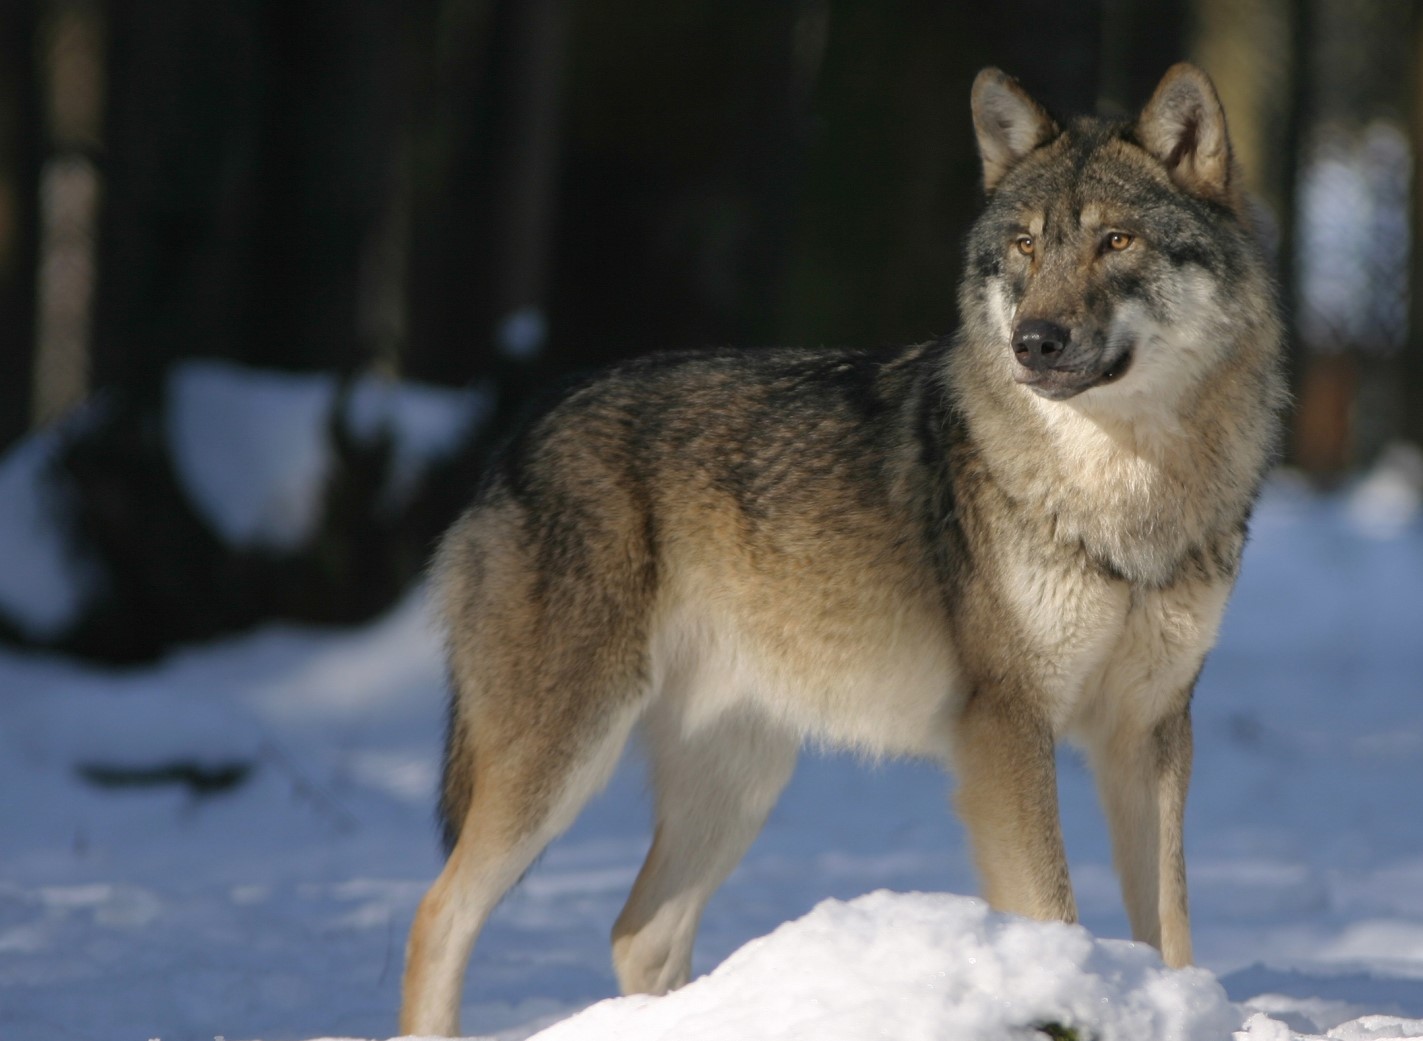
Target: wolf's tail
457,783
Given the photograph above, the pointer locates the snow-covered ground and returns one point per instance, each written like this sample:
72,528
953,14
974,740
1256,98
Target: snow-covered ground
278,908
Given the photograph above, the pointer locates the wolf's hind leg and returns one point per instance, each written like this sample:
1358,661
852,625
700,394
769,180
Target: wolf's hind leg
1142,775
714,789
484,864
523,798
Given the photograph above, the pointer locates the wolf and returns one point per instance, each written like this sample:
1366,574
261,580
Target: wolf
965,550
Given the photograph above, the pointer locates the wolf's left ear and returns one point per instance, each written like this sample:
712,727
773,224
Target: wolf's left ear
1008,122
1183,125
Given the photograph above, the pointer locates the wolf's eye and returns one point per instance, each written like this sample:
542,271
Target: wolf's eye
1117,241
1025,245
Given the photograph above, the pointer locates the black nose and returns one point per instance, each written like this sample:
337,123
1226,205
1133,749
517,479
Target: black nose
1039,343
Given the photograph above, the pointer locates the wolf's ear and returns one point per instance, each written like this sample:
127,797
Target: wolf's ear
1183,125
1009,123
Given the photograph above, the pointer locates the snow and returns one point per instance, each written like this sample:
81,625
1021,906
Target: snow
251,451
253,447
277,908
919,966
1390,497
43,587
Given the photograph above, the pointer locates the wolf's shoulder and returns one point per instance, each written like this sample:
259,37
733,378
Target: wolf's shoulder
767,384
826,407
830,365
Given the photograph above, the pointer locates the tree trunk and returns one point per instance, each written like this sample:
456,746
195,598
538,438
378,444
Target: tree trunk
20,158
181,130
331,110
248,164
1411,359
451,118
1141,39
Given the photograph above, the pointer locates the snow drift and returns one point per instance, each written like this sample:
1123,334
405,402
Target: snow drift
923,967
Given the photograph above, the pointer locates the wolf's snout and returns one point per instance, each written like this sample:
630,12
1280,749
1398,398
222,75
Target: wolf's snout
1040,344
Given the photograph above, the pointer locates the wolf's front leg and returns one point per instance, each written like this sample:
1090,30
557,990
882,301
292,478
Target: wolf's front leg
1142,774
1007,797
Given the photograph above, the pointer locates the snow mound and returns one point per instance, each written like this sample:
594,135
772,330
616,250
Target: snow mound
921,966
1261,1027
252,447
1390,497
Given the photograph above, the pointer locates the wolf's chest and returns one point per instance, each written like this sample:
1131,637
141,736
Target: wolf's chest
1142,509
1102,647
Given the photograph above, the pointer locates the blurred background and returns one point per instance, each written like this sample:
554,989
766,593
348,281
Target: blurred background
273,275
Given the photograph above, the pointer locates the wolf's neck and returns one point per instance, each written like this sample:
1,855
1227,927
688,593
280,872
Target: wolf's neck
1143,491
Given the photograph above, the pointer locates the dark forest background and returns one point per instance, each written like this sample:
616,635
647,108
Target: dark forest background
495,192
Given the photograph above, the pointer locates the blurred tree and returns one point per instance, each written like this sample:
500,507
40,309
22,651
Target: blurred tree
794,172
1141,39
500,191
526,178
331,84
1411,358
20,158
451,108
617,176
1258,53
892,177
685,124
72,74
488,137
248,162
1352,245
182,122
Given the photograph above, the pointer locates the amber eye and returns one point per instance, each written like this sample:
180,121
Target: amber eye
1117,240
1025,245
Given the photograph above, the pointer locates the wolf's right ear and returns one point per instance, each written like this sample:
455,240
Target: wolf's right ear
1008,122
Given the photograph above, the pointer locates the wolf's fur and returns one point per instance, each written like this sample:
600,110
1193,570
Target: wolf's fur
964,550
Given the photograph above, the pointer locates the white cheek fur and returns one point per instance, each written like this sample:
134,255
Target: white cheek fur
1170,355
999,310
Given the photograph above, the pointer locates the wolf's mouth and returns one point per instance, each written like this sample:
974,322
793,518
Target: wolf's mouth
1117,368
1061,384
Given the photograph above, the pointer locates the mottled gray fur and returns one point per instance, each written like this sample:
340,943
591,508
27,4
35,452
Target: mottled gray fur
965,550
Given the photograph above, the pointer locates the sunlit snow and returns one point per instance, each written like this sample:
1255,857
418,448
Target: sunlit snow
277,908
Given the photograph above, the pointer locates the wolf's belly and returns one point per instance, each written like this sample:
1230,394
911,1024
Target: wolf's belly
883,681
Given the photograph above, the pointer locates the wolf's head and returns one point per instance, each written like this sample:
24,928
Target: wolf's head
1111,257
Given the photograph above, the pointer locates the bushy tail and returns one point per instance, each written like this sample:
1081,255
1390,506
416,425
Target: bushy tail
457,784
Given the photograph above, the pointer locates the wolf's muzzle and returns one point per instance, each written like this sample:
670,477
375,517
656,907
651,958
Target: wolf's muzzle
1040,344
1053,366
